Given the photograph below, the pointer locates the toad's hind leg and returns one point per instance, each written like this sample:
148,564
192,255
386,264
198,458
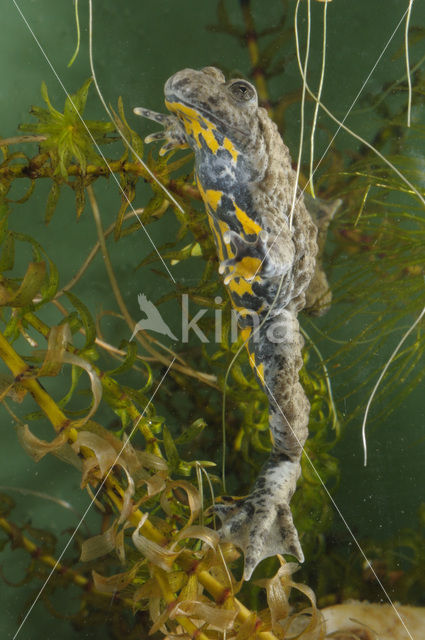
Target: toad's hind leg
261,524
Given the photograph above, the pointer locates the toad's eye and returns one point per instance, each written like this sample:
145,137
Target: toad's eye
242,91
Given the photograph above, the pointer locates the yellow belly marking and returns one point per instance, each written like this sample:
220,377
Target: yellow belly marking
248,225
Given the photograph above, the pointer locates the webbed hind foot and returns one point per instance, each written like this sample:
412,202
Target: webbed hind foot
261,528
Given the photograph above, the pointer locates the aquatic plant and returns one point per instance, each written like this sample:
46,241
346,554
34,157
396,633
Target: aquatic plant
154,563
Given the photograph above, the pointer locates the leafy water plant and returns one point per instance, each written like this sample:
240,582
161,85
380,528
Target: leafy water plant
155,563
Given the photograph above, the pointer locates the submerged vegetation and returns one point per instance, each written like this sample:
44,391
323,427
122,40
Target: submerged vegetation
144,426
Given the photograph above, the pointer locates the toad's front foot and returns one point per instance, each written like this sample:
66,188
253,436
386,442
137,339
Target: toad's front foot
261,524
173,132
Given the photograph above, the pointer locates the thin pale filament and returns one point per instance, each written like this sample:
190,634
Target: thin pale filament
378,382
105,106
77,25
319,95
406,49
302,123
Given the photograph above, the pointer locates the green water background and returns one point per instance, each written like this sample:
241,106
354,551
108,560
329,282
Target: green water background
137,46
